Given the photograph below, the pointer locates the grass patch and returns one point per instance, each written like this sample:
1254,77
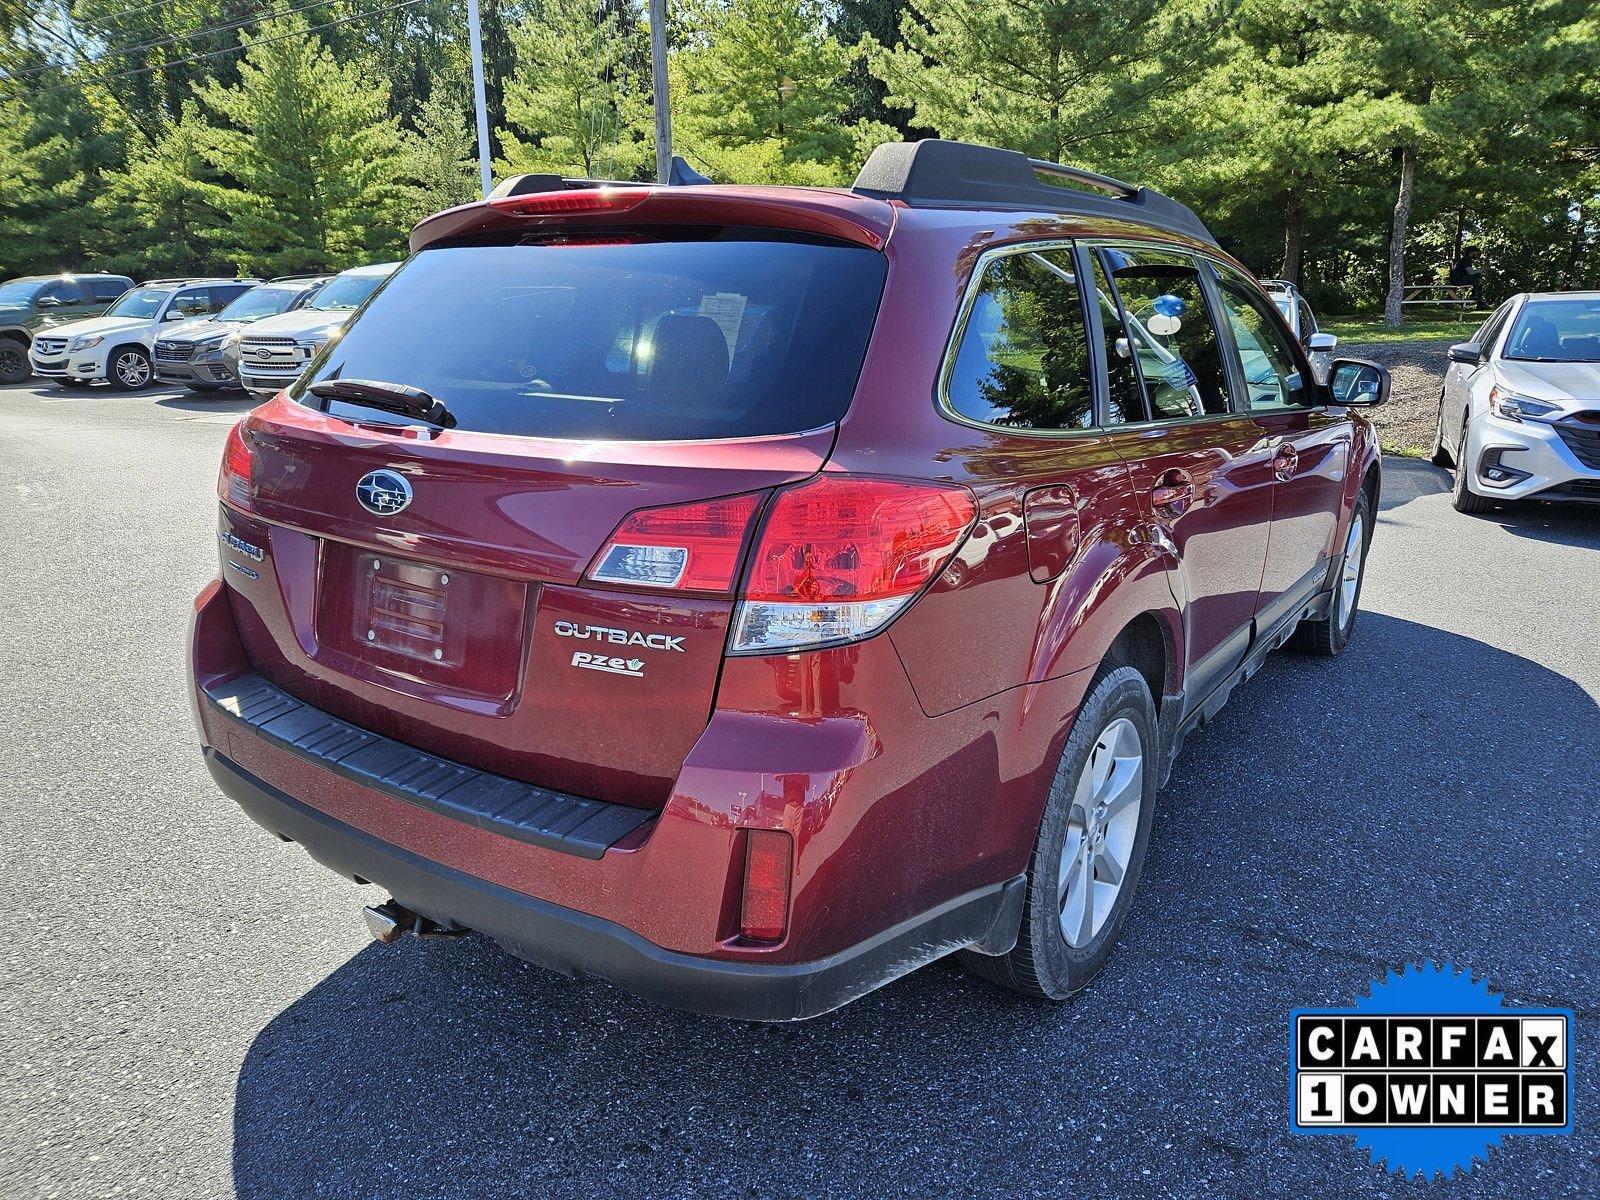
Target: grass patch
1431,327
1405,451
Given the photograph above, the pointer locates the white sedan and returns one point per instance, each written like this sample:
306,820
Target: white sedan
1519,416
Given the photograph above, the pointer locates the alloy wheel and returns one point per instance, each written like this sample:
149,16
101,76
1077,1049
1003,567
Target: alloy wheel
1101,830
1350,577
133,371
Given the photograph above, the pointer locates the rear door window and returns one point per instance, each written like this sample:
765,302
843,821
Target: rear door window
627,337
1023,357
106,290
1174,340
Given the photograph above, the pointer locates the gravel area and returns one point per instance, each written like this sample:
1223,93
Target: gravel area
1406,425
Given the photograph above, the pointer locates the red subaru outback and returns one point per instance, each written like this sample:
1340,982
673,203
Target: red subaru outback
748,595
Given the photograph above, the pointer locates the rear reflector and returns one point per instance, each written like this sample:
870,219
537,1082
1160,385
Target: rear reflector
688,547
233,483
579,200
840,556
764,913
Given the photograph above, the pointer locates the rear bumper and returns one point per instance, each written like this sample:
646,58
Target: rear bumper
887,877
577,943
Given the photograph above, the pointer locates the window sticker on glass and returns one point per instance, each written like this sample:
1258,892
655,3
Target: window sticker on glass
727,310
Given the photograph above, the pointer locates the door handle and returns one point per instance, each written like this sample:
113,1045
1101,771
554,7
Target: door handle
1285,462
1172,493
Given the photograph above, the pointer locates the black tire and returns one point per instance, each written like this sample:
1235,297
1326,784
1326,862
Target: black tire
14,365
1441,457
128,369
1462,497
1042,964
1329,636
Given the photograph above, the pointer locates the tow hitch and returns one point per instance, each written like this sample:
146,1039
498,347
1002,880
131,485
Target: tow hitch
391,921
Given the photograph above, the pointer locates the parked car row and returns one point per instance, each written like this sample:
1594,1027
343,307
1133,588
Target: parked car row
206,334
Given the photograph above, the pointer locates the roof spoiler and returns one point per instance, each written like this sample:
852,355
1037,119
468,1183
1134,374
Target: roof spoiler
938,172
681,175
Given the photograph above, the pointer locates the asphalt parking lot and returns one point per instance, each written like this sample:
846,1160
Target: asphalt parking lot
191,1009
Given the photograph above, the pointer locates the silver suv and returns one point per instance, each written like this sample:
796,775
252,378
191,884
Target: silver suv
274,351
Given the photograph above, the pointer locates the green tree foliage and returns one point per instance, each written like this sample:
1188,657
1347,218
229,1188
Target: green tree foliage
153,137
441,155
159,209
1052,78
576,104
313,164
763,93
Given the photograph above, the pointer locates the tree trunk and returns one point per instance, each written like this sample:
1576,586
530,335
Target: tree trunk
1406,159
1293,236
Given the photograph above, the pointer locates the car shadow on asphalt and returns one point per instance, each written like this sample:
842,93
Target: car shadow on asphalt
1408,479
225,402
1425,796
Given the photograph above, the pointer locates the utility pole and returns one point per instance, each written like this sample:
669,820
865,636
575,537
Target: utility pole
479,99
658,72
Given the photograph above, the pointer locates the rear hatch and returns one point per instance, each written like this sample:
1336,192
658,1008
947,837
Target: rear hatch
429,582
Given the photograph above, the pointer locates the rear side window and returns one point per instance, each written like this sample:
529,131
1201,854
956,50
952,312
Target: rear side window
622,338
225,295
1174,341
1023,357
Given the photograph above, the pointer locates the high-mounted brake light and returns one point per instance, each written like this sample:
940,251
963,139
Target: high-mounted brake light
578,200
233,482
764,910
840,556
687,547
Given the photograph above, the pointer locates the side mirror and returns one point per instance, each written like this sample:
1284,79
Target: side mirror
1466,352
1355,381
174,314
1318,342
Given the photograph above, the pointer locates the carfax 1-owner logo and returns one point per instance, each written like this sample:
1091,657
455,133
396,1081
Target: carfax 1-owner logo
1430,1071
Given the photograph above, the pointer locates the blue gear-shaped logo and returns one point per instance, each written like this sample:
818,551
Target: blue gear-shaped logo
1425,988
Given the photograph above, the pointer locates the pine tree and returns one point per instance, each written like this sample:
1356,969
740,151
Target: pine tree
159,210
441,156
1056,79
766,93
576,104
311,164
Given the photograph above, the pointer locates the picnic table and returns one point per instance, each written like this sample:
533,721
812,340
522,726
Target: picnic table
1438,295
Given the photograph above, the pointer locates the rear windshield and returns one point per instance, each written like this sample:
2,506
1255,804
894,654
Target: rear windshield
717,336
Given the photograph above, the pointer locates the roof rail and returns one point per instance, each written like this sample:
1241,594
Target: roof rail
961,174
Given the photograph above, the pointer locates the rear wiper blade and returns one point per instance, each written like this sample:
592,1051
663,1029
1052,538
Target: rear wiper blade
390,397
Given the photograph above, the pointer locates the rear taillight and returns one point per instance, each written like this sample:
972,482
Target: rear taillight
686,548
764,911
233,483
837,558
579,200
840,556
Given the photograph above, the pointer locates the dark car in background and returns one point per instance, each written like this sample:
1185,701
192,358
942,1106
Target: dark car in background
34,302
748,595
203,354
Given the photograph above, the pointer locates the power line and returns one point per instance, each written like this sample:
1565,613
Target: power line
191,35
240,48
92,22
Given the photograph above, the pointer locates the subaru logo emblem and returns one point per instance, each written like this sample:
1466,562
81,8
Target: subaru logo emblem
383,493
